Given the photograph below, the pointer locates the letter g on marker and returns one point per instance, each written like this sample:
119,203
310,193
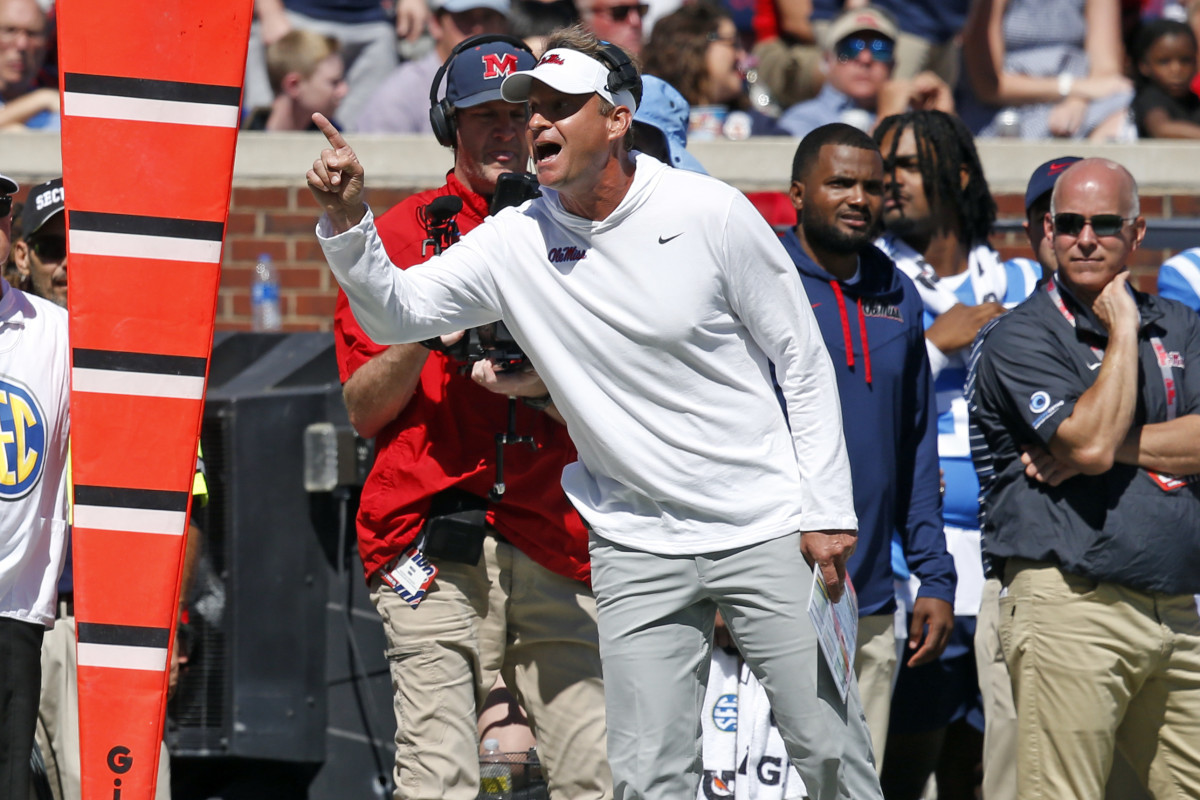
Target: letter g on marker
119,760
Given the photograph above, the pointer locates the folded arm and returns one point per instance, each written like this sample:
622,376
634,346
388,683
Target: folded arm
1171,447
1089,438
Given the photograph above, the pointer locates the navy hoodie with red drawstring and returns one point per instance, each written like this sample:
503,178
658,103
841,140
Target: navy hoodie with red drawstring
874,331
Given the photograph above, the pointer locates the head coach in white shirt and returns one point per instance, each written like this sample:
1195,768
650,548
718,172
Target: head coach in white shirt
653,303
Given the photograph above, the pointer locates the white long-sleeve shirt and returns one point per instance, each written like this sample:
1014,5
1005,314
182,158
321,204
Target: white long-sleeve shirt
654,330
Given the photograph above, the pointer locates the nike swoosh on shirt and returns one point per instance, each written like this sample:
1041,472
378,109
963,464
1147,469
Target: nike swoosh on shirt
661,240
1095,366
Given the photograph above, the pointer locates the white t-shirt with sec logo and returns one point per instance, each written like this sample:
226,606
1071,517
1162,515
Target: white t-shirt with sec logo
34,397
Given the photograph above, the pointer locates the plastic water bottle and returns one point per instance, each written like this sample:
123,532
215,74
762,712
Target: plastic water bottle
264,297
495,776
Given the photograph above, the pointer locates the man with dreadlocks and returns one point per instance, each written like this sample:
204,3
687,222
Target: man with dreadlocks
938,213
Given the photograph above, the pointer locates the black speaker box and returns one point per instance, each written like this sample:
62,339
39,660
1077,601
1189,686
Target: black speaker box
286,692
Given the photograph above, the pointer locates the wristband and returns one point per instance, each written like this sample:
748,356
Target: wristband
1065,82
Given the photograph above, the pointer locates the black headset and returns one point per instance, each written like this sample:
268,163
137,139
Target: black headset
622,74
441,112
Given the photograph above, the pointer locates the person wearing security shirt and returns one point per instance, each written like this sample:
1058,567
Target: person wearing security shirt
1085,410
34,427
871,319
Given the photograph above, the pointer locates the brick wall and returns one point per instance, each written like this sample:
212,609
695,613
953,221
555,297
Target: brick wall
279,220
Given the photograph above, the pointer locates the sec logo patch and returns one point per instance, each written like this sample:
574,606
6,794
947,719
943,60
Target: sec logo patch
22,440
724,713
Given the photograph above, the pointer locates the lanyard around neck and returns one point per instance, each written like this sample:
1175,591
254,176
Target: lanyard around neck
1160,352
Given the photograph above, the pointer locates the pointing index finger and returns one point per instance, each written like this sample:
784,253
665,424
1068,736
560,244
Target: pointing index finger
331,133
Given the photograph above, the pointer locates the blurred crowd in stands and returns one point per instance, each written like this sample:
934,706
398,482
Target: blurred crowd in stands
1104,70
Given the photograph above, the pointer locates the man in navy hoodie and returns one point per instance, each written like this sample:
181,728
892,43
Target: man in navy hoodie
871,318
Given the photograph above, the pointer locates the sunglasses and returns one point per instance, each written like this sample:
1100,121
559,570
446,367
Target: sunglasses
1069,224
620,13
881,50
5,205
49,248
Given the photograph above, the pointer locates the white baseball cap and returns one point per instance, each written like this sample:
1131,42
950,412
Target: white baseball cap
569,72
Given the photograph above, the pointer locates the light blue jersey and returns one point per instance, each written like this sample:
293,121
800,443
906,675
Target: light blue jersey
961,501
1179,278
987,279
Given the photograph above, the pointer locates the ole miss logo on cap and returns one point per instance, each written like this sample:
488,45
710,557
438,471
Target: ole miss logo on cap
497,65
551,58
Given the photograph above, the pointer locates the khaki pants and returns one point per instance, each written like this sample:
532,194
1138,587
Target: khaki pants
875,668
999,712
506,615
58,717
1097,666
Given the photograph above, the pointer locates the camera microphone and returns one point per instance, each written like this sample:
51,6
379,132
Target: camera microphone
439,220
443,208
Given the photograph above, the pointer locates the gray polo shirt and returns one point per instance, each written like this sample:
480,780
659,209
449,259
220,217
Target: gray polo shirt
1128,525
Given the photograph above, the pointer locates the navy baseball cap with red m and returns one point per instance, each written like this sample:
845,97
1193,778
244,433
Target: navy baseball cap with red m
475,75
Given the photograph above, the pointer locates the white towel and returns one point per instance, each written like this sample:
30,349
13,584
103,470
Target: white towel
989,281
719,724
744,756
764,770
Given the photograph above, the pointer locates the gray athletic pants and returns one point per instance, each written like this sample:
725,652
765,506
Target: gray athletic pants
656,617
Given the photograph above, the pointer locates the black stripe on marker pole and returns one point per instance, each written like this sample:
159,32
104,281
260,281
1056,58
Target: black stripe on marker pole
122,635
141,499
101,222
146,89
153,363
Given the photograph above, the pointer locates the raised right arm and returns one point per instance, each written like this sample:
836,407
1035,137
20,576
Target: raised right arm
449,293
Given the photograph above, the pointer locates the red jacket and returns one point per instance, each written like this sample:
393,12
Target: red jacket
445,436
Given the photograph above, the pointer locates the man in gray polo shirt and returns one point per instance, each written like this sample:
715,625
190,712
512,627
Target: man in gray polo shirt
1086,427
